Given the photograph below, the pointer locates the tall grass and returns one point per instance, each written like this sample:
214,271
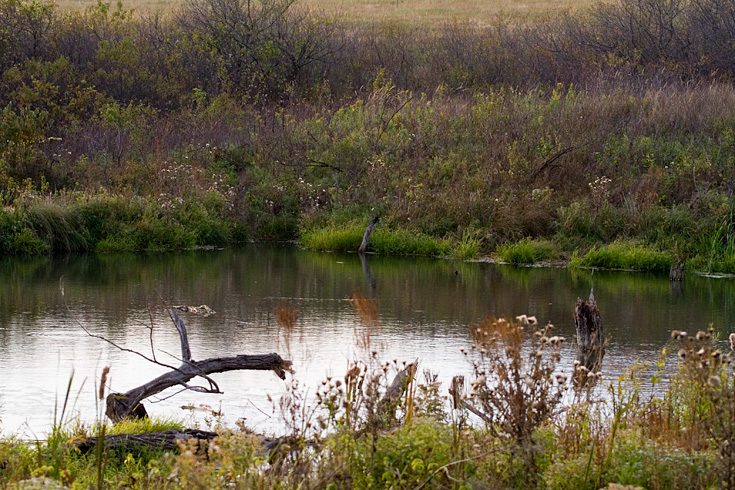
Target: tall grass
527,251
625,255
393,242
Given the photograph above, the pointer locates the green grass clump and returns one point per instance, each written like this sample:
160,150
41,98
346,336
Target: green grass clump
527,251
625,255
389,242
333,239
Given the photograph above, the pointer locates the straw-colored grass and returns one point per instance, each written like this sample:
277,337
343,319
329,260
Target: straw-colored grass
406,12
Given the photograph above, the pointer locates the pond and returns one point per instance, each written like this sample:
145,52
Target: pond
426,308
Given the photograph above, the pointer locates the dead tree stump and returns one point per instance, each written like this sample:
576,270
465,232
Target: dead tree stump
676,273
590,341
366,236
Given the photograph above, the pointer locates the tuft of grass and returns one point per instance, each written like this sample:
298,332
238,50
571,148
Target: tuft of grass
625,255
389,242
469,246
527,251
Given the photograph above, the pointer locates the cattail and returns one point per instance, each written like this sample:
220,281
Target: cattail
105,372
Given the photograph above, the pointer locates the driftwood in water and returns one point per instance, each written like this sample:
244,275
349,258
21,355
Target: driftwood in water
366,236
129,404
590,340
166,439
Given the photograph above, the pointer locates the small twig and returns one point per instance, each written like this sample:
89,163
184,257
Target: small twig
554,158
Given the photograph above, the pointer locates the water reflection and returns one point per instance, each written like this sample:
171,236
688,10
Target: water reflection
426,309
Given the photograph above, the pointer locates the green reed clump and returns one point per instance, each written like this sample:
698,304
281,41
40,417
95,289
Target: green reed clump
390,242
527,251
625,255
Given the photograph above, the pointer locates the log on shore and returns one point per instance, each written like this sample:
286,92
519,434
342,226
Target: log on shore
167,439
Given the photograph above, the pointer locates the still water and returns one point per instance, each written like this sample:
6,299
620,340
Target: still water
426,308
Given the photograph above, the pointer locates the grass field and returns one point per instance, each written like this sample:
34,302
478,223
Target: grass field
418,12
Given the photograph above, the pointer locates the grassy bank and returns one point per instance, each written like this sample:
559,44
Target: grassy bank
127,134
659,426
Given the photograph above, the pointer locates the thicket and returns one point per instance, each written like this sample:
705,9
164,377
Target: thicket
233,120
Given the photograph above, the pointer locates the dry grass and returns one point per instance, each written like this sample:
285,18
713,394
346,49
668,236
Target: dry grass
413,12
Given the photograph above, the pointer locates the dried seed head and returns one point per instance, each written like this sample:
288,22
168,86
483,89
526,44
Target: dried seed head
682,353
700,335
105,372
714,381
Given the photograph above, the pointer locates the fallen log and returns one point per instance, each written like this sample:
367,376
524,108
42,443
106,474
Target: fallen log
129,404
167,439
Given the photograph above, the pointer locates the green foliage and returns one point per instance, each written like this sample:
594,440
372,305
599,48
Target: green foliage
625,255
405,458
527,251
390,242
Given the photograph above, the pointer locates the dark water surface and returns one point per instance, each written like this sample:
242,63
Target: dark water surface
425,312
